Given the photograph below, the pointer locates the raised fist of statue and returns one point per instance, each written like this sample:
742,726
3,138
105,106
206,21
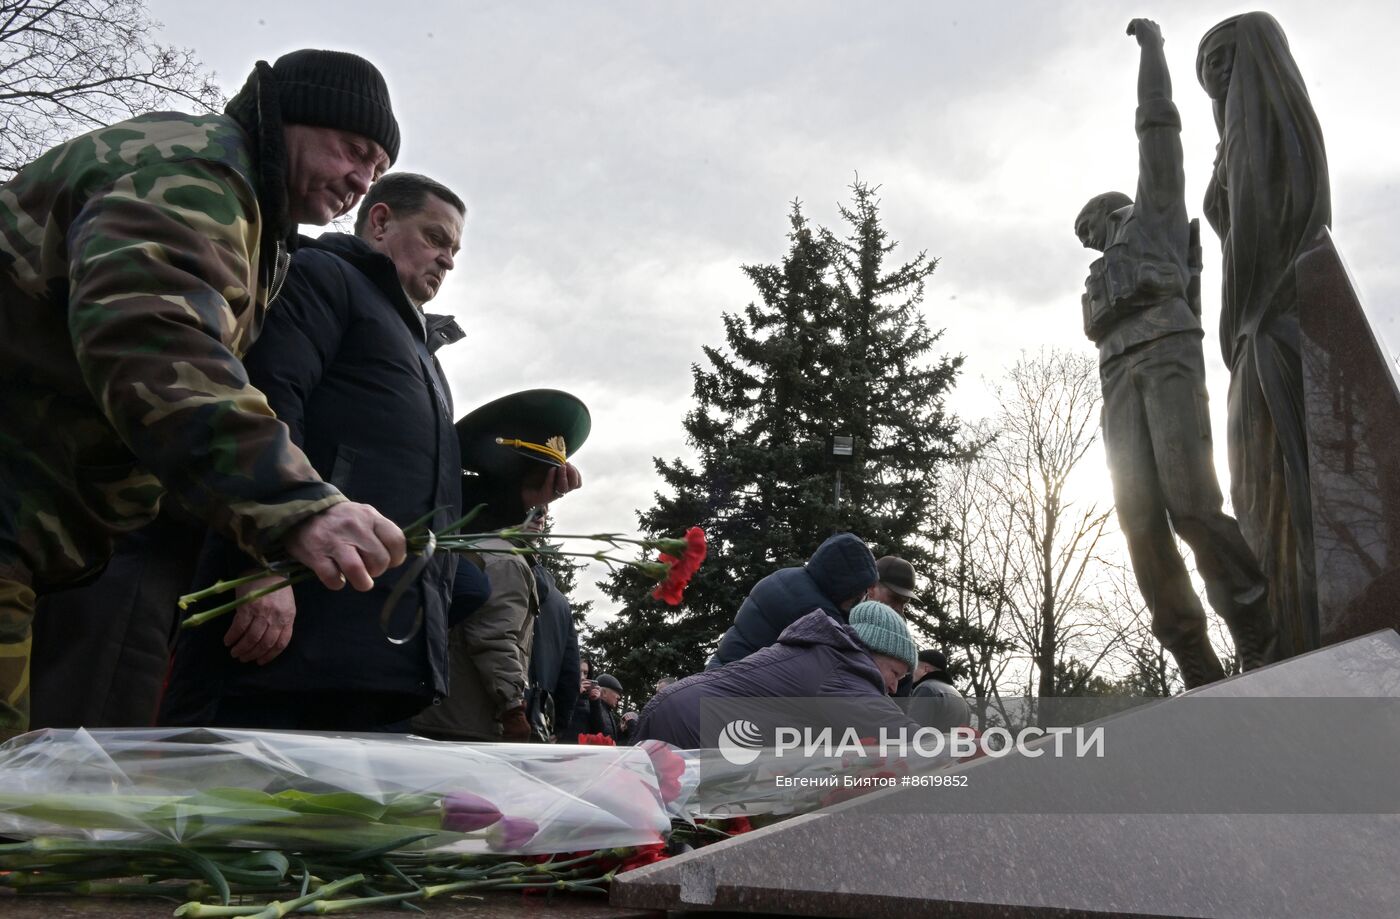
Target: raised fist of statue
1145,30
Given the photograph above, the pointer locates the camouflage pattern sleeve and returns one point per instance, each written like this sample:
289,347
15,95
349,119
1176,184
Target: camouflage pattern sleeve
163,302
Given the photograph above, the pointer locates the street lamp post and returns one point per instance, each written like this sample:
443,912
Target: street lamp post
840,451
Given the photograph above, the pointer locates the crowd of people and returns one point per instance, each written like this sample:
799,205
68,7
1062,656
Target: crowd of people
190,389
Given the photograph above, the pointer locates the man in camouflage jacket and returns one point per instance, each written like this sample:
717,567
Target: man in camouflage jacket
137,263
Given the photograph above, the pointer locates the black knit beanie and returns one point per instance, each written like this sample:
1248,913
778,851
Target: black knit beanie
329,89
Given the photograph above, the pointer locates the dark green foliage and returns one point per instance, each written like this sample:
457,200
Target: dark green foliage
836,344
1149,677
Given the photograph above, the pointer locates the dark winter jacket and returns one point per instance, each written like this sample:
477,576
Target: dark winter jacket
578,722
554,663
816,657
841,568
345,363
601,720
935,702
591,716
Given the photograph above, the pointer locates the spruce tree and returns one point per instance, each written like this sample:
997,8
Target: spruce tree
835,345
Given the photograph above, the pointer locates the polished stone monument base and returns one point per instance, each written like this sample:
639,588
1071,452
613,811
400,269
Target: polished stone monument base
1321,837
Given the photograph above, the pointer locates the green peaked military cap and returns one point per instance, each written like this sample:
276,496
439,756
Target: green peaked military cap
503,438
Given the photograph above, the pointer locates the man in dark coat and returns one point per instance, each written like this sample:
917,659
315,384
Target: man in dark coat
554,662
817,657
834,579
934,700
345,362
895,589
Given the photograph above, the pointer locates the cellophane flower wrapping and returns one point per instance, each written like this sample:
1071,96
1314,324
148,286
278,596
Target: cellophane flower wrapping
288,790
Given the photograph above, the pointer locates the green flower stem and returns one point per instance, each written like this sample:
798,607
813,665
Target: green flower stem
393,870
192,859
326,907
201,618
600,555
189,600
552,866
274,910
654,569
195,910
450,540
277,910
134,888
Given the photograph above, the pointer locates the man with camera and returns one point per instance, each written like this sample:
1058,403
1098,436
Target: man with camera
603,695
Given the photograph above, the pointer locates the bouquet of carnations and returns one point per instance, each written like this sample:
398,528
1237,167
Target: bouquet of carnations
677,561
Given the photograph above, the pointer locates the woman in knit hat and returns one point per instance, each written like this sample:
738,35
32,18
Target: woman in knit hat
818,660
886,636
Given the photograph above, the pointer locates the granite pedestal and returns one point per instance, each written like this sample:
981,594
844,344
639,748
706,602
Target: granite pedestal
906,854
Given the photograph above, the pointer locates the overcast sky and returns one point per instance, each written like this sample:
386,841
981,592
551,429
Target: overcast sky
621,161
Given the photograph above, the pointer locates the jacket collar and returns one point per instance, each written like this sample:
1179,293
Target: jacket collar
262,122
934,676
378,269
443,330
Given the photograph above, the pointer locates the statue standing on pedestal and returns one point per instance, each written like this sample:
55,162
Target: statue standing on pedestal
1268,200
1142,309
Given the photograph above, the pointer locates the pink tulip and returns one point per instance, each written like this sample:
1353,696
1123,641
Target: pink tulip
464,812
512,833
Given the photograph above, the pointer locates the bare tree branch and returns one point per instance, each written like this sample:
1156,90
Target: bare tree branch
1047,424
73,65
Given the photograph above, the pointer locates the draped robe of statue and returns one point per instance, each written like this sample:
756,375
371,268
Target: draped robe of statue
1268,200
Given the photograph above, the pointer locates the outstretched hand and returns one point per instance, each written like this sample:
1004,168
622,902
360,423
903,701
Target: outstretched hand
348,542
1145,30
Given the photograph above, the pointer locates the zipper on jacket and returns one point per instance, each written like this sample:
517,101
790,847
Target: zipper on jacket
282,262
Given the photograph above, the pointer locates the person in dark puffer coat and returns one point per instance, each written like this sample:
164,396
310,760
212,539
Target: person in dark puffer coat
348,362
815,658
554,661
834,579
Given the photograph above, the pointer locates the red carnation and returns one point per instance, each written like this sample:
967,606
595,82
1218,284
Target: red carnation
669,766
643,855
681,570
596,740
736,825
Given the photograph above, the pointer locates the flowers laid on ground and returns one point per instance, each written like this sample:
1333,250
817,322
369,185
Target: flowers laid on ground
270,884
282,822
677,563
255,823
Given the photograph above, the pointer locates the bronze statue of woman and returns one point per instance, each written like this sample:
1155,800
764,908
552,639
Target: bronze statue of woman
1268,200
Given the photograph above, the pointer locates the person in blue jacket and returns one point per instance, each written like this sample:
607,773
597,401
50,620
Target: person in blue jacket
834,579
819,661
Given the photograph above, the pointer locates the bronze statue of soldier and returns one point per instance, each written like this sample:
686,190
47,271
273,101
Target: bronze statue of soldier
1142,309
